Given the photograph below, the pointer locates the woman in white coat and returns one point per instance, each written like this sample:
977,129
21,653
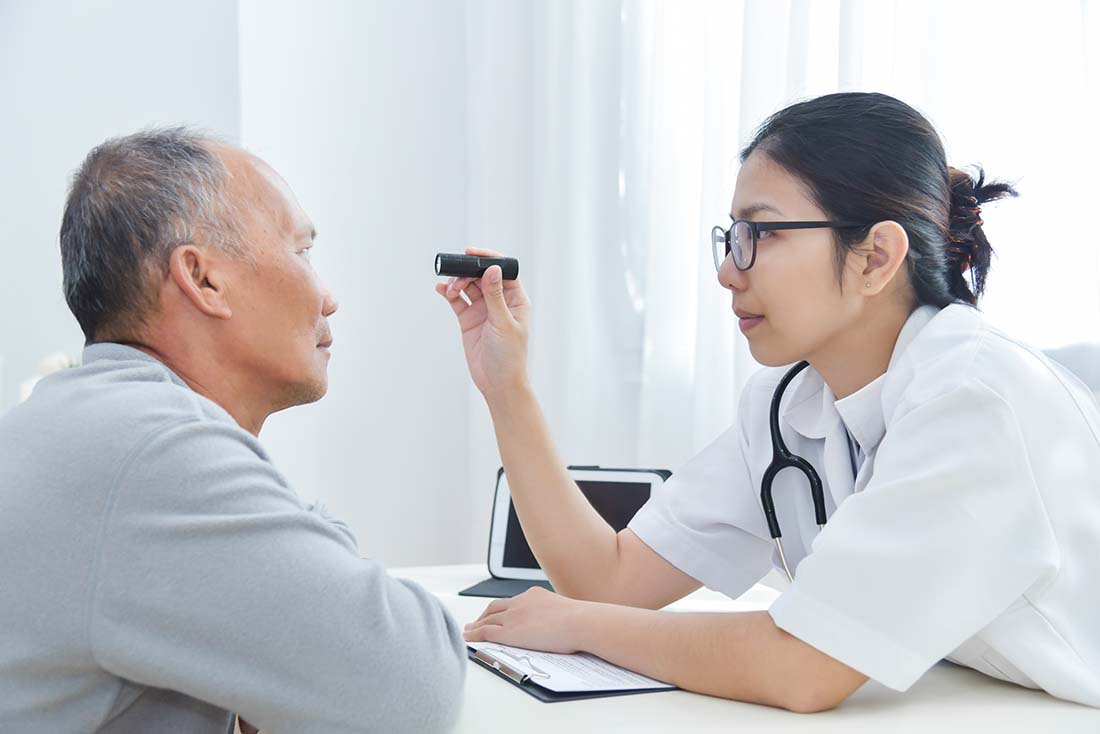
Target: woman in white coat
960,468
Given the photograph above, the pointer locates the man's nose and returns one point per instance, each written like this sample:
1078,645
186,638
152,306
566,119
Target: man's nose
329,306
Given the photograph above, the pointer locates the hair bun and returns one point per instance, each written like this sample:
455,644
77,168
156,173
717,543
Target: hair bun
968,249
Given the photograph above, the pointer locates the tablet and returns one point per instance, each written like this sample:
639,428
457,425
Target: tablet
615,493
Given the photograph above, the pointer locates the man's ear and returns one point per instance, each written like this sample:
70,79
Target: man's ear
880,257
201,276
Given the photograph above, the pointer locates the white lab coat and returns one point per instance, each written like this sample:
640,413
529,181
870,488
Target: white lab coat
971,532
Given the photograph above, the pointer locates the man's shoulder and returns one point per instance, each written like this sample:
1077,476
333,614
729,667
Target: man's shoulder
140,392
107,407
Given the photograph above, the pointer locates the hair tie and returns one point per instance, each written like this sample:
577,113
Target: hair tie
975,209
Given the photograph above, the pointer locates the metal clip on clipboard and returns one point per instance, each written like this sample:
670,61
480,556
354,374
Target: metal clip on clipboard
503,668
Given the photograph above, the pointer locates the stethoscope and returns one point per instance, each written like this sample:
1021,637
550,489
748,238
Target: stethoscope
782,459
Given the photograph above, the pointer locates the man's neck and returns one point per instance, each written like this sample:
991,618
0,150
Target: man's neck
229,393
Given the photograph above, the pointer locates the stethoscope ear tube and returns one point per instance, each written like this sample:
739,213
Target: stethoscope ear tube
766,500
782,459
781,456
790,461
816,490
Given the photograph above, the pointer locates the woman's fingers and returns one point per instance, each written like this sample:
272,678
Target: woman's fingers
483,633
473,292
457,304
494,619
482,252
455,285
486,628
494,607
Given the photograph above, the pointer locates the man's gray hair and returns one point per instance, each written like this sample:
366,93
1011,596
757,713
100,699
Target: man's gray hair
134,200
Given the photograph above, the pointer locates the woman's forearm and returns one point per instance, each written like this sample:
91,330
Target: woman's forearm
572,542
741,656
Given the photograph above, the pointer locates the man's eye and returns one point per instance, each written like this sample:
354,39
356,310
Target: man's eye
765,234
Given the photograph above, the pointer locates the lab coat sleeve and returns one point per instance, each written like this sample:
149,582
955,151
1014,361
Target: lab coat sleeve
215,580
706,521
948,534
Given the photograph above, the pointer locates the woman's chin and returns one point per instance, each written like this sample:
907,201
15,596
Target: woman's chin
771,357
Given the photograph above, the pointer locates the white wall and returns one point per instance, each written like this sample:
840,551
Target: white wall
361,107
368,128
71,75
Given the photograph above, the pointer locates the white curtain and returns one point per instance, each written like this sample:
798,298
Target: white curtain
603,146
595,139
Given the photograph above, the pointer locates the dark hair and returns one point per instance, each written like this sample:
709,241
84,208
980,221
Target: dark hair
132,201
869,158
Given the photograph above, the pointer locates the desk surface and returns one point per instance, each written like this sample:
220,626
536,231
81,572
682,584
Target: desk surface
947,699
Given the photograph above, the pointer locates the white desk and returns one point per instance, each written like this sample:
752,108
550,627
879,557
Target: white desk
946,699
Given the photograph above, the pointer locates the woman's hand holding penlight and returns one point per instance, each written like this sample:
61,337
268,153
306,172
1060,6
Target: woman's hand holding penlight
494,328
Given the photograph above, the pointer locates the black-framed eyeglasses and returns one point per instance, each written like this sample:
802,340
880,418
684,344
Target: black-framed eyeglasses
740,239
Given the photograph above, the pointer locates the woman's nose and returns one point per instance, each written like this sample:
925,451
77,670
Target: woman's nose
730,277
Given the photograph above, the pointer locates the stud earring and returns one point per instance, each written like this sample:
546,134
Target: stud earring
868,284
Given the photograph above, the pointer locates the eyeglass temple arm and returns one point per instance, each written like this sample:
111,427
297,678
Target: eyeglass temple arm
770,226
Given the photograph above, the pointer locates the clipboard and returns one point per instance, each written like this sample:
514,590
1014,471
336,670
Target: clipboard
546,695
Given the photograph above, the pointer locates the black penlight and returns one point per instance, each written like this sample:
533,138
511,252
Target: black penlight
474,266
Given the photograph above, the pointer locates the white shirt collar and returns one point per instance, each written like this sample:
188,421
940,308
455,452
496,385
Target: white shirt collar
862,415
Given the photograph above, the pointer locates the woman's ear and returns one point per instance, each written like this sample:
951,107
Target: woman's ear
200,275
879,259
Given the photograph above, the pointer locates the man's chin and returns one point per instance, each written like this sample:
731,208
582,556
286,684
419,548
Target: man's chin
314,392
305,393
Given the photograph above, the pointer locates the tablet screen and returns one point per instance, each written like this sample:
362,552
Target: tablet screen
615,501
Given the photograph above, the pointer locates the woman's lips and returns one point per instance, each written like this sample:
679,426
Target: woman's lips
747,320
747,324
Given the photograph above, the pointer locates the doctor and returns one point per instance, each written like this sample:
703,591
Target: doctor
960,469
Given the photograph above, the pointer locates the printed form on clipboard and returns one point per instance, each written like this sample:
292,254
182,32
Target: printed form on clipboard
550,676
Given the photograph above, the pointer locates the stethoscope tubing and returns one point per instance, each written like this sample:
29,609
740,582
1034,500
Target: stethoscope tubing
782,459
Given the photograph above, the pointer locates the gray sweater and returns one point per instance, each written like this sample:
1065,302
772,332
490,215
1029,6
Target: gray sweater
157,573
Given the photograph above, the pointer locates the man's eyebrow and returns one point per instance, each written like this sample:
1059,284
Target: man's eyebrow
751,210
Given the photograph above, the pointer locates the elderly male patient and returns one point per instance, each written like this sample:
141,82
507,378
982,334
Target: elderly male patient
159,574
